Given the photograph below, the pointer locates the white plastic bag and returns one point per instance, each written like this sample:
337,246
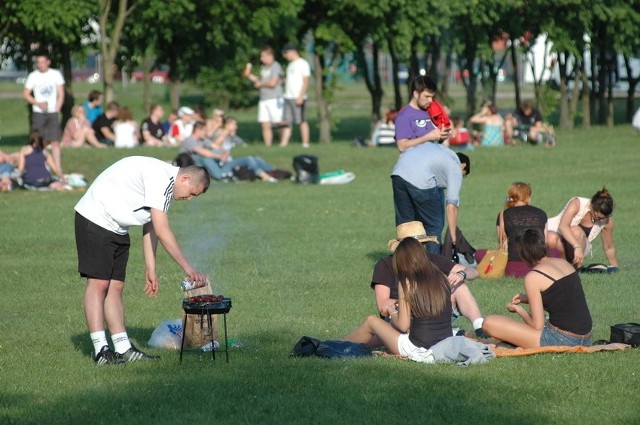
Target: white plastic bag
167,335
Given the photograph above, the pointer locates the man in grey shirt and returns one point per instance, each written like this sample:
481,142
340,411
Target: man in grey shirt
269,82
419,179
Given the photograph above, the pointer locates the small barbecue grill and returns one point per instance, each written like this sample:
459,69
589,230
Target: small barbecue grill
206,305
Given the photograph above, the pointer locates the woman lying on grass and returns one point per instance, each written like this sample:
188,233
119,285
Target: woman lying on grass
422,317
553,285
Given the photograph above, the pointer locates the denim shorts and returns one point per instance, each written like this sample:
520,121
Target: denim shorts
551,335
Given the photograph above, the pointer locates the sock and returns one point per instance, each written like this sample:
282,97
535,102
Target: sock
121,342
99,339
477,324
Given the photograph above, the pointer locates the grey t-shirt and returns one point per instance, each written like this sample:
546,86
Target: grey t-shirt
189,144
268,72
431,165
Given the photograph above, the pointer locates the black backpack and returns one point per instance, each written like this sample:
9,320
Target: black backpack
306,168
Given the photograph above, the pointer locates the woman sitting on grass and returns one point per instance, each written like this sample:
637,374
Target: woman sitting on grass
553,286
422,317
579,223
32,164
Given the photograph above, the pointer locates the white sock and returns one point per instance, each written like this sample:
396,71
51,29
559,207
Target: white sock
477,324
99,339
121,342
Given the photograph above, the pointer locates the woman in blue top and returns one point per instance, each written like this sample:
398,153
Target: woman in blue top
33,161
493,129
422,316
553,286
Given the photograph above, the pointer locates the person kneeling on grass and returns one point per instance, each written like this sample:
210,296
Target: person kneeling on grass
554,286
423,314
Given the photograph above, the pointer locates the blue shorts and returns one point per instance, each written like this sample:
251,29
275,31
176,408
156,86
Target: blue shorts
551,335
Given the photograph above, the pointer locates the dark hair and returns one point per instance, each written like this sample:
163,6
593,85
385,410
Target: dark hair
94,95
113,106
423,83
125,114
198,125
425,287
456,121
36,139
493,109
200,175
267,49
43,53
531,246
602,202
464,159
153,107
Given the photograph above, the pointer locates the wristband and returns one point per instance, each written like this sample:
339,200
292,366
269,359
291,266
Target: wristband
576,246
462,273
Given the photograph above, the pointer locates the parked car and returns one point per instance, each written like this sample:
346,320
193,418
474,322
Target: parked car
158,76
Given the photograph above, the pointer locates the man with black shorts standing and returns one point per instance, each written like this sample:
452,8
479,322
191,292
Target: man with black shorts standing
134,191
297,77
44,90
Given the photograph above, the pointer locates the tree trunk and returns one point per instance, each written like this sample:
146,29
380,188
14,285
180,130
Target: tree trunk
516,73
372,80
564,92
395,68
586,98
146,80
323,107
633,82
69,99
110,43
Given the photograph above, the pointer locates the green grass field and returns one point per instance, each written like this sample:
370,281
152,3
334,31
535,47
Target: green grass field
297,260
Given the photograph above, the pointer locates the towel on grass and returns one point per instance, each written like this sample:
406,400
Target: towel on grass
518,351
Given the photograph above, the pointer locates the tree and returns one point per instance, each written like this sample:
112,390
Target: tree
57,26
110,33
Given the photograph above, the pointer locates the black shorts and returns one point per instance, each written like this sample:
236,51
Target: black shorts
101,254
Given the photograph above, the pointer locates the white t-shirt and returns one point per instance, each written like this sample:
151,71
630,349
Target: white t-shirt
45,88
125,132
296,71
123,194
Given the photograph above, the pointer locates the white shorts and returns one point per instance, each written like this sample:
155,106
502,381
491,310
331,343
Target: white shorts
270,110
417,354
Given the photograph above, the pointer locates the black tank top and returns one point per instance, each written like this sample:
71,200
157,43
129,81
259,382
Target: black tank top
566,304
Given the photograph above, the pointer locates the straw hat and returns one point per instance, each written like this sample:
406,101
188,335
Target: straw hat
412,229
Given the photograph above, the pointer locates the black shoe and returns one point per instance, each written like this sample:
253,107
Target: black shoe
135,355
107,356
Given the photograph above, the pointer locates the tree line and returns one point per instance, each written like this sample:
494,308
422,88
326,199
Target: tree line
208,42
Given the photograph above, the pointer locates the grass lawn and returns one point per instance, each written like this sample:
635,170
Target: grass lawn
297,260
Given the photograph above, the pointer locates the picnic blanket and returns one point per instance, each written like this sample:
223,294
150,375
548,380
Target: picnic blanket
518,351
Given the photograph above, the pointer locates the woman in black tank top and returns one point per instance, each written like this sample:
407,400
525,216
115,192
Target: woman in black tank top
553,286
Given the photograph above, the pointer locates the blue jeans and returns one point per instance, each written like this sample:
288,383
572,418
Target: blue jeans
219,172
424,205
552,335
5,169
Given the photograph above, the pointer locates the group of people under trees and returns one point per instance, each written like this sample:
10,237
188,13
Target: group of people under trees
39,164
419,291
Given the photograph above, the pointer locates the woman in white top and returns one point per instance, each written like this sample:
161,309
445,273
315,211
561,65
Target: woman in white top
579,223
125,129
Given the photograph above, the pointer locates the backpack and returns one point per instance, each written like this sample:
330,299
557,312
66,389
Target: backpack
308,346
306,168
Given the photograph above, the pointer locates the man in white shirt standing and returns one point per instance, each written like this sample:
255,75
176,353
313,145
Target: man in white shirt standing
297,78
44,90
135,191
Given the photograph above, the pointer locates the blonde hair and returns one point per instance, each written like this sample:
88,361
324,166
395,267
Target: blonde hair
518,192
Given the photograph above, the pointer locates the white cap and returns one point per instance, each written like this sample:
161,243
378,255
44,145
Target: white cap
185,110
